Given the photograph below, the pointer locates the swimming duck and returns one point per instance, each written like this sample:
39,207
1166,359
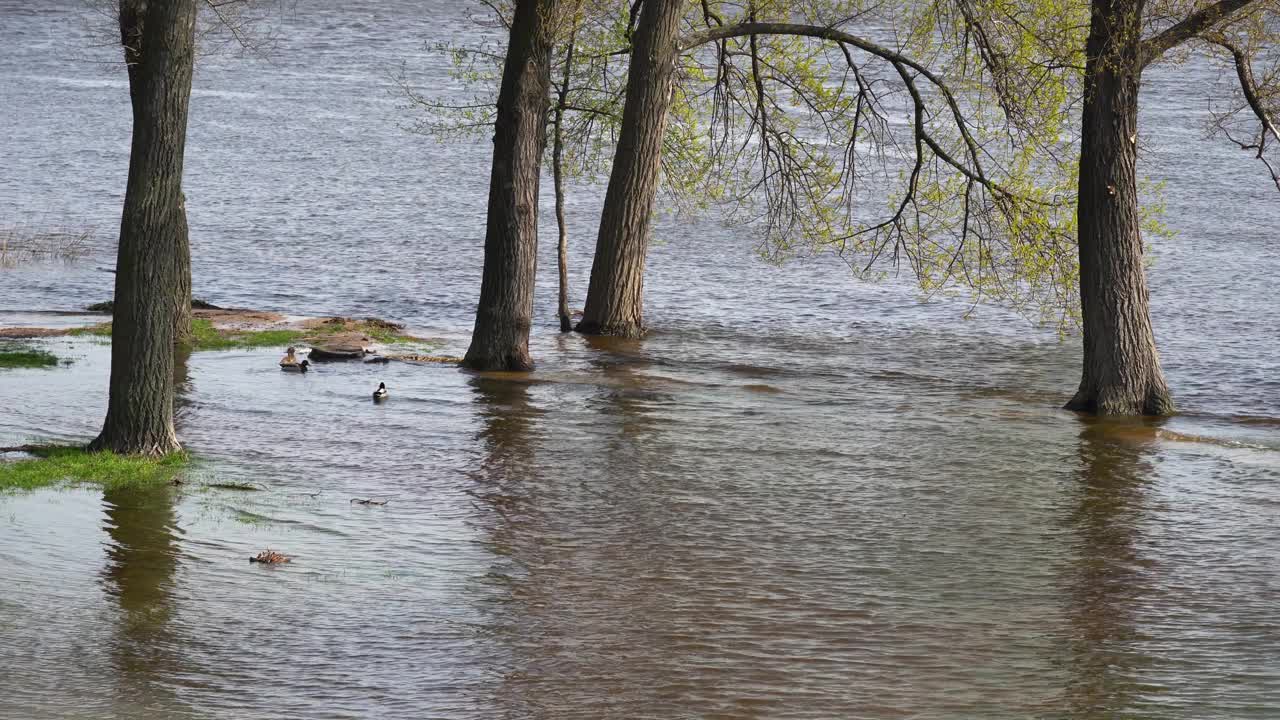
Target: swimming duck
381,393
296,367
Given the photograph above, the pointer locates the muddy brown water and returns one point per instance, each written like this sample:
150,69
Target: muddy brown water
800,497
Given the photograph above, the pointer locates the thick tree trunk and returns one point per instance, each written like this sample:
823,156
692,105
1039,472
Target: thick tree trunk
1122,373
152,269
616,295
500,340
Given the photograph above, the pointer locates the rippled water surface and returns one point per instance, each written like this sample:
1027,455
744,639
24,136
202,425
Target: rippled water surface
801,496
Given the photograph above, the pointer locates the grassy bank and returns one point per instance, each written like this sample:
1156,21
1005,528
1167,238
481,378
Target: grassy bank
99,330
207,337
26,358
54,465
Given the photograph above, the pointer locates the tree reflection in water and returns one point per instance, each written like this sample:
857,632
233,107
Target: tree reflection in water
142,559
581,584
1109,578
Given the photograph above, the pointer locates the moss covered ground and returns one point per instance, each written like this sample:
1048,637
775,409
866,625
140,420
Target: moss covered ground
58,465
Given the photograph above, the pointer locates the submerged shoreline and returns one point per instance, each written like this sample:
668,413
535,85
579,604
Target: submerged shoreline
215,328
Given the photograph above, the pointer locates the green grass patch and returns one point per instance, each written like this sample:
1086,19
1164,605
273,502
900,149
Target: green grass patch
208,337
99,330
204,336
55,465
25,358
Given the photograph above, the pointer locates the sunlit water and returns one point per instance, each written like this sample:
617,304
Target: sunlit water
800,497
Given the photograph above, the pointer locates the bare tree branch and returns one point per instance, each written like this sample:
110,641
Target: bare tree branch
1193,25
1249,88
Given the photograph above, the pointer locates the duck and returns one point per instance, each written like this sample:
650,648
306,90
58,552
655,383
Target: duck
289,363
381,393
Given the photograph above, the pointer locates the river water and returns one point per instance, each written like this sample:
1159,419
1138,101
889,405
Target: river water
801,496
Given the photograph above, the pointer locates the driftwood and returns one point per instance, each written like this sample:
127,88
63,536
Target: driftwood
110,306
340,352
370,501
270,557
444,359
20,333
236,486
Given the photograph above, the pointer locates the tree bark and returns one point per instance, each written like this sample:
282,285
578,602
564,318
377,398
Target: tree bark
615,296
152,267
500,340
1122,373
557,174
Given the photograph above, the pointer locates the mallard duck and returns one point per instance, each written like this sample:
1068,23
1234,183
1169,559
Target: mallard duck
289,363
270,557
381,393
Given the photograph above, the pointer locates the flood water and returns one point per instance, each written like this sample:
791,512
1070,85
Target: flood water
801,496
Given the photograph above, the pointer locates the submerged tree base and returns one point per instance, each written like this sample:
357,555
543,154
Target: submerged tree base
624,330
498,363
129,442
1155,401
60,464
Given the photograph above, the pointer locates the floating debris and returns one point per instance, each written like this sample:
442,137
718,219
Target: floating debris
235,486
445,359
381,324
270,557
359,501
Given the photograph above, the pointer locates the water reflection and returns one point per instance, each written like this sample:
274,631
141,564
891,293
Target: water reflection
142,558
506,415
626,390
1109,579
182,387
501,487
581,582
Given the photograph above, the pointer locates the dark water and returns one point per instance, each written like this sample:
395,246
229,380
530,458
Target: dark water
800,497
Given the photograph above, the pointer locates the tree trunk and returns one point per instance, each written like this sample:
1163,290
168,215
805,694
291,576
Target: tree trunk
616,295
1122,373
182,334
557,174
152,268
500,340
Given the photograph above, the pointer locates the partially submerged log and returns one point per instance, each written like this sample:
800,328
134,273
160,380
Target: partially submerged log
442,359
109,306
337,351
270,557
19,333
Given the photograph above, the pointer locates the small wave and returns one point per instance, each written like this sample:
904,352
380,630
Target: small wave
1176,436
